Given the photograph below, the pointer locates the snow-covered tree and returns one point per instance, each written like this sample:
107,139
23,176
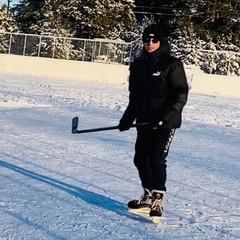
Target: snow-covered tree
207,56
75,18
28,13
80,18
7,24
106,18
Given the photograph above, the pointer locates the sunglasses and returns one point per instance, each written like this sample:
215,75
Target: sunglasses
148,40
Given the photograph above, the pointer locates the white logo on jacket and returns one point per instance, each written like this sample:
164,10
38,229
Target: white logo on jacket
157,73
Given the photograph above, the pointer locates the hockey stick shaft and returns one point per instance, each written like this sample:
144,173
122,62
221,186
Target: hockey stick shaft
75,126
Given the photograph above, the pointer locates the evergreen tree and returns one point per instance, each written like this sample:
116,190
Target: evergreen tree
81,18
211,20
116,15
164,12
221,20
7,24
27,13
207,19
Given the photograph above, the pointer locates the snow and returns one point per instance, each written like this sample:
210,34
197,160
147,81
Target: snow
58,185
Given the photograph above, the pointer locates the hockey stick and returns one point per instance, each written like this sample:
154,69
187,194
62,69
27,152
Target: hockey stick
75,126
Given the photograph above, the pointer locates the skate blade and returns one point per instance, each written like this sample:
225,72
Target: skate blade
155,220
140,211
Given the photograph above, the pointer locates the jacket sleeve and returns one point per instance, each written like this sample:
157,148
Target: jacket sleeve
178,91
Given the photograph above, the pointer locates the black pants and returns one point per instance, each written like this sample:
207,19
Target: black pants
151,150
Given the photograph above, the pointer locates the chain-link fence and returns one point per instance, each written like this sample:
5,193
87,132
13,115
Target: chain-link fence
92,50
112,51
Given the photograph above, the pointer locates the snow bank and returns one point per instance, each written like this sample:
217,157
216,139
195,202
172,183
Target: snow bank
216,84
66,69
111,73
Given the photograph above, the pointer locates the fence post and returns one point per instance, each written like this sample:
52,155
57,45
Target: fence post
10,44
39,46
130,54
84,49
24,45
54,42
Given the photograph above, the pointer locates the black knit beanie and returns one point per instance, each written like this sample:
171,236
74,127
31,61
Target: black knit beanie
154,31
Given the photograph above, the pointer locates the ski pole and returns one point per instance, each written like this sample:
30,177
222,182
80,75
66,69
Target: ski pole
75,126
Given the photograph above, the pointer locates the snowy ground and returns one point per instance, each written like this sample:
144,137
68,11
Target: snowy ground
56,185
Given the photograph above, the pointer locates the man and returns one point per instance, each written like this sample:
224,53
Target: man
158,92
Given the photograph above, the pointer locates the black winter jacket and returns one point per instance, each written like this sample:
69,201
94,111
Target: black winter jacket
158,89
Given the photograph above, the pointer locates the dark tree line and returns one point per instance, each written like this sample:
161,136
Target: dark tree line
209,20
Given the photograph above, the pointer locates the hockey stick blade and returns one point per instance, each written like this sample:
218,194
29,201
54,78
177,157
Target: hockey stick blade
74,125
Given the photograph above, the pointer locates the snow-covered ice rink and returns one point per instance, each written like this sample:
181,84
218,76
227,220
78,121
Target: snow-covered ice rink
61,186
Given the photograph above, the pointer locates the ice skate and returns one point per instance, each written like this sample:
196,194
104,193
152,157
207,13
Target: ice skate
143,205
157,206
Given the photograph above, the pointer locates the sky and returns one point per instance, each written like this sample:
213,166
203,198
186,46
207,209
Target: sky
58,185
11,3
